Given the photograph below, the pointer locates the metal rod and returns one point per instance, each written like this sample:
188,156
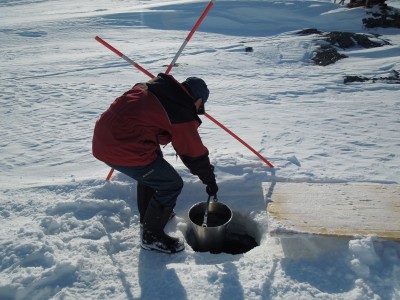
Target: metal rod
206,213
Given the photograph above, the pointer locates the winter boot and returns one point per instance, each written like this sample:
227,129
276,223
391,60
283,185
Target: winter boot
144,195
154,237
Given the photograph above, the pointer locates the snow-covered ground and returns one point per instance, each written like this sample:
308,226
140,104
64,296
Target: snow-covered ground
65,234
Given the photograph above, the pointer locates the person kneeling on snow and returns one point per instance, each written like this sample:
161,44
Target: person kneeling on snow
128,135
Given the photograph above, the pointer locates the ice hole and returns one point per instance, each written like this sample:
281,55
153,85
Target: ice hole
242,235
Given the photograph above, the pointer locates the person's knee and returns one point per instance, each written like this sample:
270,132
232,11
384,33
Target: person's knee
169,194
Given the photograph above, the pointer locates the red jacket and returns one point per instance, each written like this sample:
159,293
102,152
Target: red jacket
131,130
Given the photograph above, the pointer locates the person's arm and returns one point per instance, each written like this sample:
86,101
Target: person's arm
189,146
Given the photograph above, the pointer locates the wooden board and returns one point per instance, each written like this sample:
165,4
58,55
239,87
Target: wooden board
344,210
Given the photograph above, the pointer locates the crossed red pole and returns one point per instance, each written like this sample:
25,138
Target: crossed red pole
170,66
203,15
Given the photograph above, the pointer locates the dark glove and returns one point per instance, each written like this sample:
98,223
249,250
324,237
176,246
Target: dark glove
212,188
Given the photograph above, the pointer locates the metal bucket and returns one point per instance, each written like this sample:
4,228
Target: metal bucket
210,237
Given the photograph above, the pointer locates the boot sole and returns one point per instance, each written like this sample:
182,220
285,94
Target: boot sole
154,248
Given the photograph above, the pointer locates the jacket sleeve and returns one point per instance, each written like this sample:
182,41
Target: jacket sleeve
188,145
201,167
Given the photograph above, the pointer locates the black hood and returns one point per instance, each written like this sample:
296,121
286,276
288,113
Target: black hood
175,99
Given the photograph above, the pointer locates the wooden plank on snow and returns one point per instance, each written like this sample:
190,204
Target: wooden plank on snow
343,210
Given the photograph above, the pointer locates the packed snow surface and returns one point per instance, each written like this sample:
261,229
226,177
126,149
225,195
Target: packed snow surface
66,234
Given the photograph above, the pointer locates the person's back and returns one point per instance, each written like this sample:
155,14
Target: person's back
128,132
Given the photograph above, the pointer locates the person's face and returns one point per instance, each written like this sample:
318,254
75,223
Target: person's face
199,105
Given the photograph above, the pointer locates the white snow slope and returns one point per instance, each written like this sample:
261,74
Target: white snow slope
65,234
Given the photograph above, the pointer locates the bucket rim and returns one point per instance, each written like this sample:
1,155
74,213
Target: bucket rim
214,202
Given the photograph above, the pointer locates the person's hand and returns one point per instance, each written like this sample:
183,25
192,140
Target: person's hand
212,188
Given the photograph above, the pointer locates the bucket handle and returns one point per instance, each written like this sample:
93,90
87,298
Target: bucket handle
204,225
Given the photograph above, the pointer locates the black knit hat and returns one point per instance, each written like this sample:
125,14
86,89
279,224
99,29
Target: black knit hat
197,88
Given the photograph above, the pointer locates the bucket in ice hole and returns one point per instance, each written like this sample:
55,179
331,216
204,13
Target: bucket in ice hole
210,237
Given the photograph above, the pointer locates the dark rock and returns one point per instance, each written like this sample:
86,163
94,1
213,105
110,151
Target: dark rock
349,79
393,78
365,41
327,52
327,55
346,40
366,3
341,39
309,31
386,17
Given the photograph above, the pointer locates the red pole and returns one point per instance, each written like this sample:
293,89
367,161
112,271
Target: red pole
239,139
120,54
203,15
110,174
